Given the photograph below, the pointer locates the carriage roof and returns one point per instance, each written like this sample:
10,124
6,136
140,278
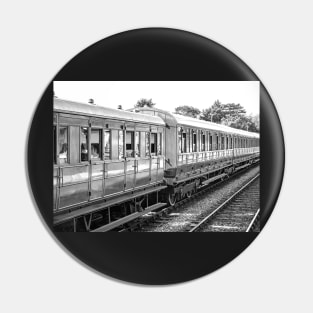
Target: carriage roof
193,122
72,107
174,119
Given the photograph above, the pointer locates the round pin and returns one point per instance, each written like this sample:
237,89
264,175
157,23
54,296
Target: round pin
146,137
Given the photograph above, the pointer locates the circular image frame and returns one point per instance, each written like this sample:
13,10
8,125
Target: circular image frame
171,55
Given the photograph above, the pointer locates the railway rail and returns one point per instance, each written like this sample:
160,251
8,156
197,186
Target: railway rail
239,213
164,215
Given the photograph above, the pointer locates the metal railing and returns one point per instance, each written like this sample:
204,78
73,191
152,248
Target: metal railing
194,157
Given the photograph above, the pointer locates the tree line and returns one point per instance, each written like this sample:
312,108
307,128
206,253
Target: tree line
229,114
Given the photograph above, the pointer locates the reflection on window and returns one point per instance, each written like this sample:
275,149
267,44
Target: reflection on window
84,144
120,144
203,142
137,144
187,141
184,143
129,144
159,144
222,143
194,142
153,144
147,144
95,142
63,145
107,145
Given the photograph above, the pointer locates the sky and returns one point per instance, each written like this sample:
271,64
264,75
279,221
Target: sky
166,94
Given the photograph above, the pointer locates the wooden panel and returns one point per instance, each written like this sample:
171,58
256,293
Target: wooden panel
141,127
68,120
154,129
130,126
98,122
170,147
74,144
114,124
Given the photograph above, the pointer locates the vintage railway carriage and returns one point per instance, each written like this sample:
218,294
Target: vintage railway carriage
103,157
199,152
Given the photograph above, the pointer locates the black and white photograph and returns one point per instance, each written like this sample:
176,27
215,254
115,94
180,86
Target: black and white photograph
156,156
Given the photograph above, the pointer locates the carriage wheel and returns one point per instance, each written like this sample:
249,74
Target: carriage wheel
188,194
172,198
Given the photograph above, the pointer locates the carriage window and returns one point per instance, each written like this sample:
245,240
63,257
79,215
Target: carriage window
188,141
96,139
120,144
84,144
107,145
54,144
130,144
179,135
147,144
159,144
203,142
184,143
63,145
153,143
194,142
137,144
222,143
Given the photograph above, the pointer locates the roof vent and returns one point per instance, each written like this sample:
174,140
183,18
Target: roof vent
91,102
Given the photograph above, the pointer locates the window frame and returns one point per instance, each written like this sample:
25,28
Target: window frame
110,143
100,130
87,144
67,142
132,138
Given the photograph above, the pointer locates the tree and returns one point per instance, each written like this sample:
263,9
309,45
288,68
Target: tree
255,119
218,112
144,103
233,115
214,113
248,123
187,110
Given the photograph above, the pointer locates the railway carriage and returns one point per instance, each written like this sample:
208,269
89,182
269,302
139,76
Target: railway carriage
199,152
104,157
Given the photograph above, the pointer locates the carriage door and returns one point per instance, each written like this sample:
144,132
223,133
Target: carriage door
130,161
142,153
157,160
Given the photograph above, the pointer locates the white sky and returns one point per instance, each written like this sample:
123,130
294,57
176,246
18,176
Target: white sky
166,94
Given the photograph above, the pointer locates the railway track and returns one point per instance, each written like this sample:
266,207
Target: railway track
239,213
157,218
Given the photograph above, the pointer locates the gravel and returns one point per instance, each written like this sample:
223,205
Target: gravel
203,205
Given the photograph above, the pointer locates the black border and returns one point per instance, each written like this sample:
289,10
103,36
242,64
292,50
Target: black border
155,54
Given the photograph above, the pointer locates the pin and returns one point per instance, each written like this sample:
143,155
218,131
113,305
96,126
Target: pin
145,137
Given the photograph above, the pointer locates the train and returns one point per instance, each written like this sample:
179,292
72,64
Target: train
112,165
